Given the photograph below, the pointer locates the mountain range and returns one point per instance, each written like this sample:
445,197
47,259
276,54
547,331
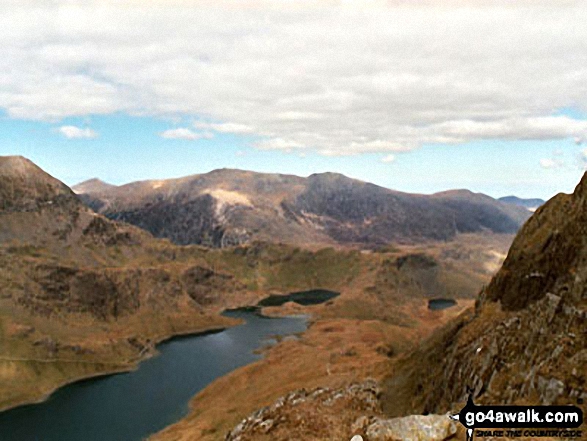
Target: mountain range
230,207
530,204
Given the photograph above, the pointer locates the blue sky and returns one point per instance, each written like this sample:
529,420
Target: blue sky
408,95
131,148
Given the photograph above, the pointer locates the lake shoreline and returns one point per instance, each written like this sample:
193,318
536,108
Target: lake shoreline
132,365
120,369
216,355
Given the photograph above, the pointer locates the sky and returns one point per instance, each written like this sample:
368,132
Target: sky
416,96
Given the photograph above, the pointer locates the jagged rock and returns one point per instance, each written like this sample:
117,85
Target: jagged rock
412,428
316,414
549,389
360,424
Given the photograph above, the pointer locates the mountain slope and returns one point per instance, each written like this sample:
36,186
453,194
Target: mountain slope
228,207
526,341
80,294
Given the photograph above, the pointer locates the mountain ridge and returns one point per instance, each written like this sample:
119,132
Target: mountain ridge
531,204
231,206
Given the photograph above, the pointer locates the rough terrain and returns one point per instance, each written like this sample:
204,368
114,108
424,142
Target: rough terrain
83,295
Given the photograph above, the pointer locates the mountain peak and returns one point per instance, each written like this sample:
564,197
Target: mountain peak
17,165
23,184
93,185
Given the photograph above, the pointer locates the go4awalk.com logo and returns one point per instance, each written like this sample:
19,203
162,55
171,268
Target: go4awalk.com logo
520,421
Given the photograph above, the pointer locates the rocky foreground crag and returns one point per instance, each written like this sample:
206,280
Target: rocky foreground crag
338,414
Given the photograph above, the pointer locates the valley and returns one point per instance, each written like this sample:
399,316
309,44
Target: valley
293,221
84,295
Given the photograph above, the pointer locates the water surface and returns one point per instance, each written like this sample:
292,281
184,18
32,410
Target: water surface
311,297
438,304
131,406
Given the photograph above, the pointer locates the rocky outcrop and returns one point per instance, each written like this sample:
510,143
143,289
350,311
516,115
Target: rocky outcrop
342,413
412,428
321,413
548,255
204,285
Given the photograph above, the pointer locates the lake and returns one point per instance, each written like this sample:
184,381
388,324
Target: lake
306,298
438,304
134,405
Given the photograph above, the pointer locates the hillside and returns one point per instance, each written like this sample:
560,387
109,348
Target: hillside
526,341
530,204
83,295
228,207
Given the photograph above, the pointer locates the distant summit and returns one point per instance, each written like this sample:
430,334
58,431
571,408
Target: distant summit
93,185
530,204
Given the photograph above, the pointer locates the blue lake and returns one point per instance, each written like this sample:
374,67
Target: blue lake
134,405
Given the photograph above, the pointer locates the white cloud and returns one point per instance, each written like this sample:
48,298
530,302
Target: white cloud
225,127
337,78
388,158
73,132
183,133
550,163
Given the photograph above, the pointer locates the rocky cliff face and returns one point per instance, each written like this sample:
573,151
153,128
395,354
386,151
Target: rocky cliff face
526,342
228,207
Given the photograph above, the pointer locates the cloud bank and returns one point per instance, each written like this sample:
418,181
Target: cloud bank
338,79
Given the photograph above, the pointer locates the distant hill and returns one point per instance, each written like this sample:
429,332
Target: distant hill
92,185
228,207
530,204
